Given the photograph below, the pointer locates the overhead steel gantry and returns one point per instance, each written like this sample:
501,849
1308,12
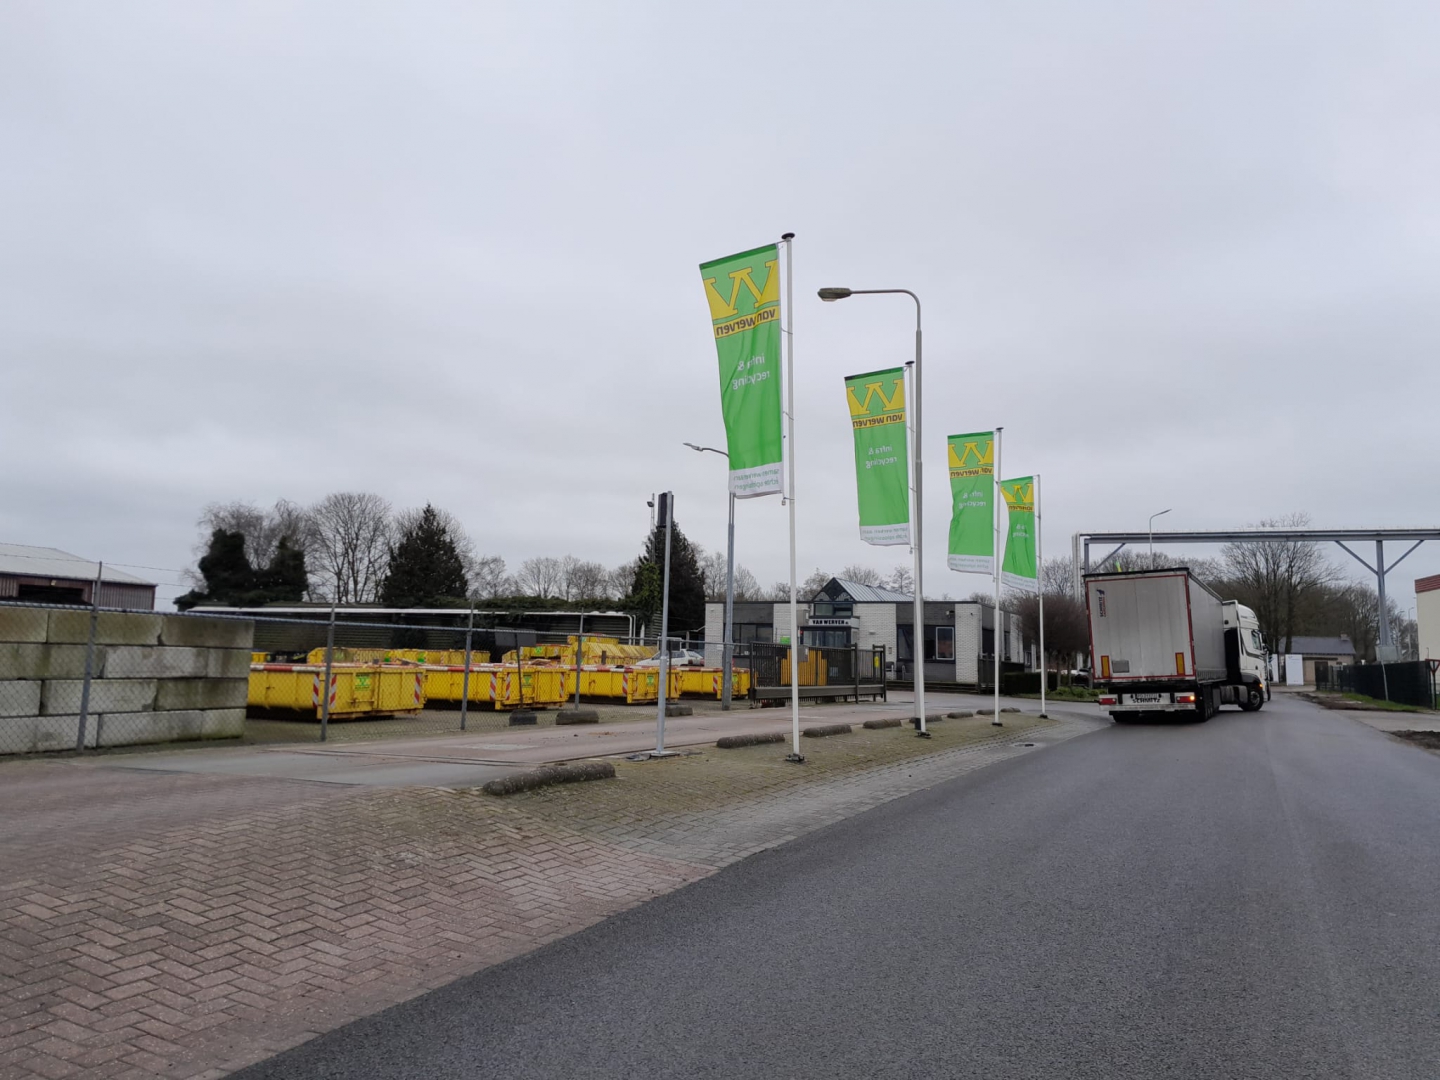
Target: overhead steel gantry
1080,549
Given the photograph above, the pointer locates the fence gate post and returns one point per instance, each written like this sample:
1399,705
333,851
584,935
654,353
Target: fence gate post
90,663
325,685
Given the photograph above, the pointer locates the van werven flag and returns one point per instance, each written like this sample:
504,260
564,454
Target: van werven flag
744,295
882,475
1018,569
972,494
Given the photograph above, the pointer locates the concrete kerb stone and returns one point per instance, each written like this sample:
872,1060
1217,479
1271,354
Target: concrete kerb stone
128,729
821,731
734,742
38,734
523,718
576,716
679,710
548,775
42,661
959,714
155,662
199,632
201,693
111,628
20,697
893,721
23,625
62,696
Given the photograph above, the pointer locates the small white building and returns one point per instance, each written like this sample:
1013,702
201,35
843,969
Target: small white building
1427,616
958,636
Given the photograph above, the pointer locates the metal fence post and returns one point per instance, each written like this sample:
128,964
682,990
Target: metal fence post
90,663
465,679
325,686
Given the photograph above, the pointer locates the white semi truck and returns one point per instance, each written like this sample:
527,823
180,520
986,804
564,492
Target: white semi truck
1162,642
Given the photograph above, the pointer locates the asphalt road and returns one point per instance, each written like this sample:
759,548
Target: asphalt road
1258,896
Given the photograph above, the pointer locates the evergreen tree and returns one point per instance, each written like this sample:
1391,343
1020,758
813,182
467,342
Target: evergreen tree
687,582
425,565
285,579
228,576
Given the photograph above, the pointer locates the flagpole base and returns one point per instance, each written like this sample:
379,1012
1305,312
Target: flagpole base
922,734
997,723
795,759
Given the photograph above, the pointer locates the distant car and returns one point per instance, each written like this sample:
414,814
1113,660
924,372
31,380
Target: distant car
678,658
1079,677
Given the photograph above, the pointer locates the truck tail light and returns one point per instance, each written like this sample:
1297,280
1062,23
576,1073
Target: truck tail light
1109,699
1184,699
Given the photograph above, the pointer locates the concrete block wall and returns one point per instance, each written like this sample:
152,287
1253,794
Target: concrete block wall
154,678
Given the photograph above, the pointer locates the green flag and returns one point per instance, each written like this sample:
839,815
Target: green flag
1018,568
882,472
744,295
972,496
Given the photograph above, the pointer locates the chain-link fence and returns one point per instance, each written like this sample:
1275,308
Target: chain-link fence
74,678
1412,682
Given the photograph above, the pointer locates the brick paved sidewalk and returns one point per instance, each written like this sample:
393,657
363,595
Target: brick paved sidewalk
178,925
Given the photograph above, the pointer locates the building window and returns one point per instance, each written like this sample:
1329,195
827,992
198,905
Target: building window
987,641
944,643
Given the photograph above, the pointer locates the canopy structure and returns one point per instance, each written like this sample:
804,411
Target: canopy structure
1081,541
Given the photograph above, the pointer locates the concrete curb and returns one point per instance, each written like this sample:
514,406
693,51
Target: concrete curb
550,774
875,725
522,718
679,710
820,731
960,713
732,742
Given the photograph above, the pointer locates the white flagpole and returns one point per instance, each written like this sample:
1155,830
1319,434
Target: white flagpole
997,637
1040,588
789,327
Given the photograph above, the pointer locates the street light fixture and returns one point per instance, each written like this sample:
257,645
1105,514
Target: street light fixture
1162,513
727,646
829,295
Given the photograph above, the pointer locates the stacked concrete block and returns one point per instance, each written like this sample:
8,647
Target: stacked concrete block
153,678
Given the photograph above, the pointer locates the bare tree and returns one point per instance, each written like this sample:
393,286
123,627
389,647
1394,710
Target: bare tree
807,589
583,580
746,587
352,532
620,580
488,578
1067,633
541,576
1057,575
713,569
901,580
863,575
1279,579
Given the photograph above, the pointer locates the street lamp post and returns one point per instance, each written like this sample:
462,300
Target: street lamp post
830,295
1162,513
727,646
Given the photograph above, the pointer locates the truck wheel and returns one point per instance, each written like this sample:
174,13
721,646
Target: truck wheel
1254,698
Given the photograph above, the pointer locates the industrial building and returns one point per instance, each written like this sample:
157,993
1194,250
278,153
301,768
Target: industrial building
44,575
958,639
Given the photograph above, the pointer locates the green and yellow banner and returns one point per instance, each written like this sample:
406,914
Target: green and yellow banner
882,469
1018,568
744,295
972,497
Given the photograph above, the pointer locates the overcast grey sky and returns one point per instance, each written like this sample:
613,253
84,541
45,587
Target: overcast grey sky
1185,253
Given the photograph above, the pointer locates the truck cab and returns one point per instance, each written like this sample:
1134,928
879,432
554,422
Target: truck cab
1245,654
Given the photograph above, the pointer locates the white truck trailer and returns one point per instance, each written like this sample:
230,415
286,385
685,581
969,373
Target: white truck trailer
1162,642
